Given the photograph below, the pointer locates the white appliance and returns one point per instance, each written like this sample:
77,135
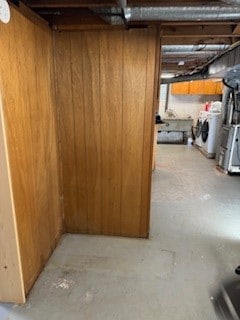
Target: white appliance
202,117
229,151
216,107
210,131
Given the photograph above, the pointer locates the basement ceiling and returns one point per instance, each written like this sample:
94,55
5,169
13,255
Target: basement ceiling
193,32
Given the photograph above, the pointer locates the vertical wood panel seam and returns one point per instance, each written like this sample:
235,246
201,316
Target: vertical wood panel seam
101,149
57,132
74,121
13,190
37,79
31,178
85,137
121,205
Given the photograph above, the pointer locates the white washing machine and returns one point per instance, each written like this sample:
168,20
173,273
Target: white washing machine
210,131
202,117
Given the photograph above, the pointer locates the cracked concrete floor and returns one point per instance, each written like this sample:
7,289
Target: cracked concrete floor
194,244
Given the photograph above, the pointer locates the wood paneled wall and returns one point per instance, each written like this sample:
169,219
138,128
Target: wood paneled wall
26,76
105,84
11,288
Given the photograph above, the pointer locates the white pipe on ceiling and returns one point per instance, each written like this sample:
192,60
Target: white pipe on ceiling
194,48
186,13
233,2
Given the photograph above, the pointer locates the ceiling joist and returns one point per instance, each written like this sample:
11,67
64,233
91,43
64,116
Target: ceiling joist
72,15
197,31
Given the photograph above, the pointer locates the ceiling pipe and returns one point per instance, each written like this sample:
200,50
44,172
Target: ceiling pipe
110,15
189,13
217,67
194,48
122,3
201,75
119,15
176,61
125,14
189,53
233,2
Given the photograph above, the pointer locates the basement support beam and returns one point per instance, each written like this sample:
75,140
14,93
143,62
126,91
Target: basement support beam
198,32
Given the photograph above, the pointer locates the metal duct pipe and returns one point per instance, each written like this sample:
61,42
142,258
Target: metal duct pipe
194,48
196,76
122,3
233,2
189,13
176,61
190,53
110,15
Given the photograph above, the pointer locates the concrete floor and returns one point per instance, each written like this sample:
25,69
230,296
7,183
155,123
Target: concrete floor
194,244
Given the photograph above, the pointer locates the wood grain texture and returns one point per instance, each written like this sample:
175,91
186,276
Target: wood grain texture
80,133
105,83
219,87
197,87
92,116
11,279
66,129
180,88
111,102
26,59
134,100
209,87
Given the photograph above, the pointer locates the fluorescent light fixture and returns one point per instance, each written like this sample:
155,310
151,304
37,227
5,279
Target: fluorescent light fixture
181,63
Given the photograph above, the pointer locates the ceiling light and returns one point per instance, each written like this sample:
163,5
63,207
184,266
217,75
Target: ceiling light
181,63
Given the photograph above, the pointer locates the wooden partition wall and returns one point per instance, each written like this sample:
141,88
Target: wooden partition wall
105,83
28,105
103,89
11,280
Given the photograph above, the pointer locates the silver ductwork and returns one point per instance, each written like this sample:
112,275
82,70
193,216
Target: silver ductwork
176,61
184,78
190,53
189,13
122,3
233,2
114,15
110,15
194,48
